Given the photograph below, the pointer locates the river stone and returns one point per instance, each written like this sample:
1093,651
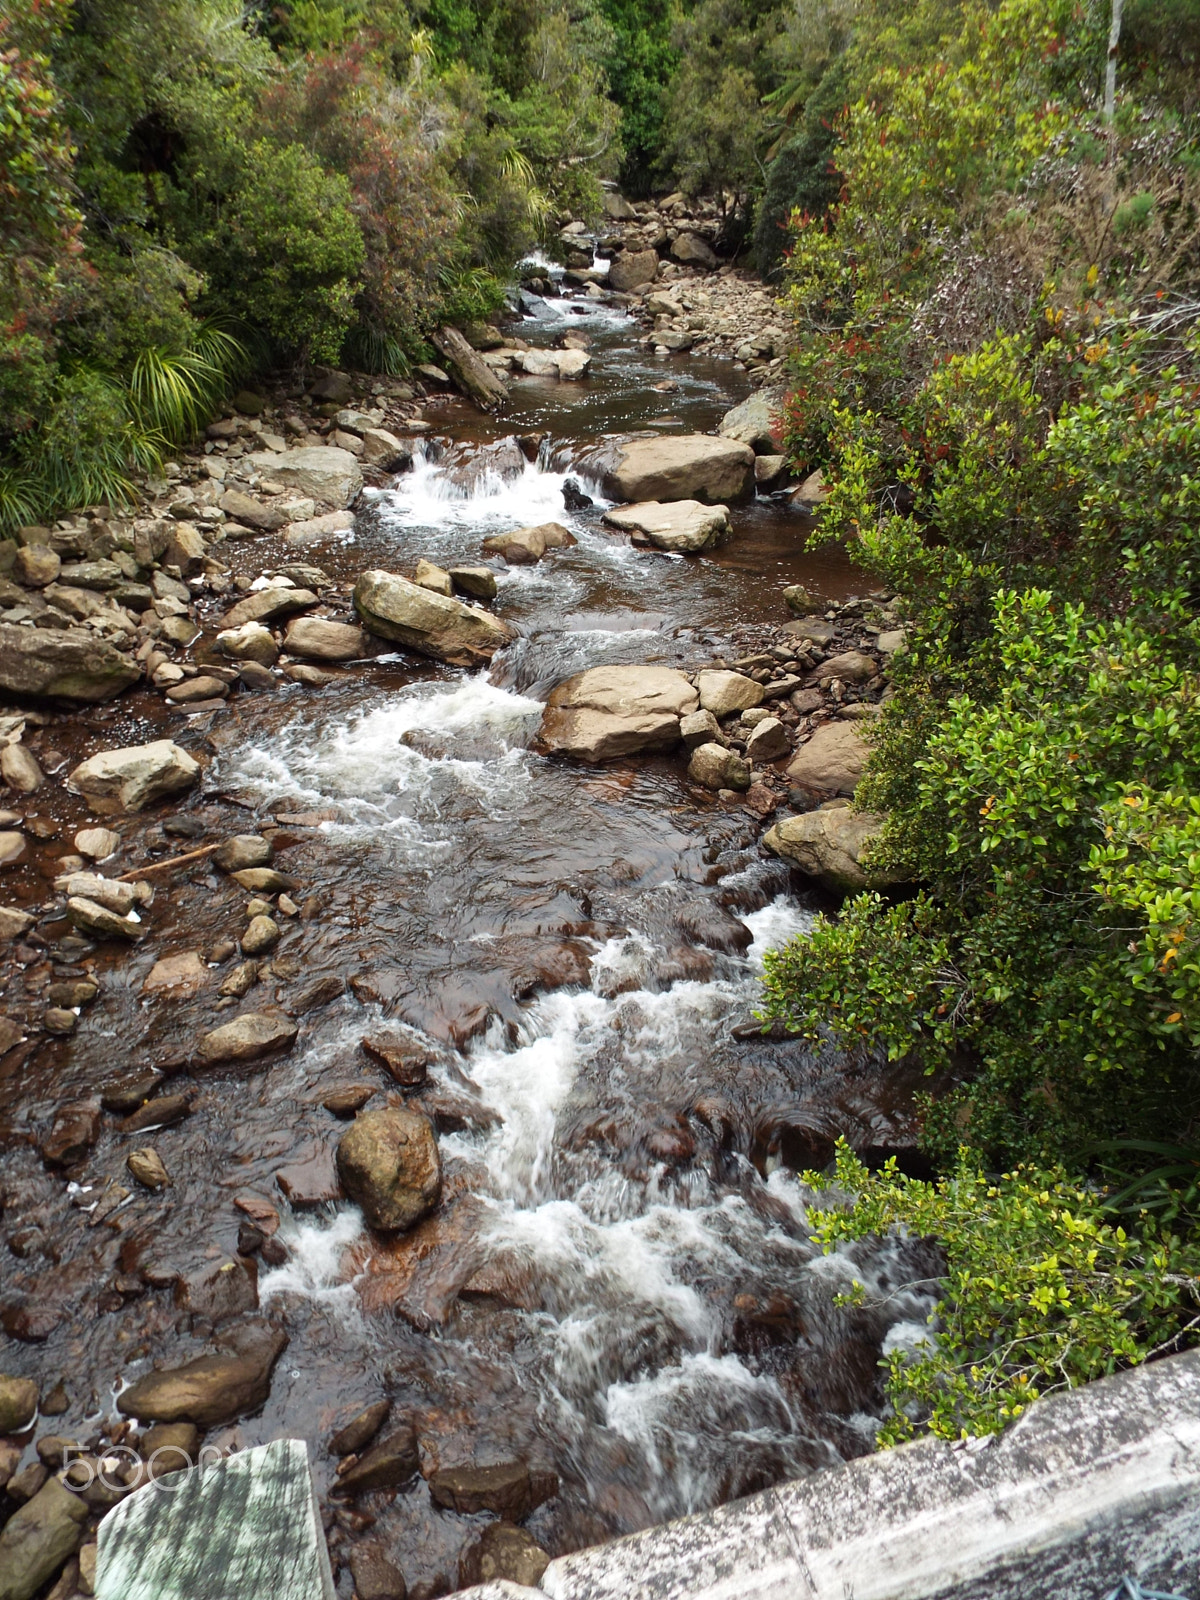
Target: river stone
110,893
18,1403
262,934
98,843
478,582
39,1538
251,513
46,664
250,642
812,493
266,605
321,640
608,712
523,546
12,848
14,922
509,1489
242,851
360,1430
756,422
770,473
504,1553
146,1165
827,846
716,767
389,1164
383,450
75,1129
193,690
314,528
722,692
324,472
212,1389
264,880
892,642
700,727
97,919
36,565
132,777
631,269
19,769
432,577
769,741
693,250
832,761
683,526
852,666
388,1464
375,1577
430,624
247,1038
690,466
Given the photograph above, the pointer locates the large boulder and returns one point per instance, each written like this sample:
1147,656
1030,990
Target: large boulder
827,846
214,1389
693,250
321,471
688,466
631,269
832,761
46,664
39,1538
389,1164
128,779
756,422
684,526
432,625
609,712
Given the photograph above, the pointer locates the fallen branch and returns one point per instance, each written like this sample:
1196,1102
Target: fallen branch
162,866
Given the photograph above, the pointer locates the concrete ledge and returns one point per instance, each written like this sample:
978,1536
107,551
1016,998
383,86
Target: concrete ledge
1086,1487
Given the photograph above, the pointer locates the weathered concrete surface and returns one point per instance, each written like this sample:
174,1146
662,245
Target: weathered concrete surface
1086,1487
244,1527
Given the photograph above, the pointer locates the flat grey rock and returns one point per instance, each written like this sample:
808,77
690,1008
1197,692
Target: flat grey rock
248,1526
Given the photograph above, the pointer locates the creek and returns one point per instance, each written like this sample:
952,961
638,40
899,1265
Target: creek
619,1285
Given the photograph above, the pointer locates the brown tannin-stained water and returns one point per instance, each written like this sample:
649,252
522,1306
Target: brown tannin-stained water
619,1284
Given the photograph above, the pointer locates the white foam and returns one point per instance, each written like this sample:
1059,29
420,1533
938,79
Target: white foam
315,1267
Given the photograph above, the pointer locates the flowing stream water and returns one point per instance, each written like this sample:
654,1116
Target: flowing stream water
619,1284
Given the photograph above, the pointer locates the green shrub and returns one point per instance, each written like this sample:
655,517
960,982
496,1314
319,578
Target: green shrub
1043,1290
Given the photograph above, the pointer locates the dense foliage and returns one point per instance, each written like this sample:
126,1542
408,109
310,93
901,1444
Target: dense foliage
997,366
1043,1289
192,186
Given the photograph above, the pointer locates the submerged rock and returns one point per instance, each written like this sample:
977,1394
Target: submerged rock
389,1464
389,1164
432,625
683,526
360,1430
608,712
213,1389
504,1553
509,1489
133,777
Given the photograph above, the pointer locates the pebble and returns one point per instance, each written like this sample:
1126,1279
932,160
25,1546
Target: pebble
98,843
147,1167
263,934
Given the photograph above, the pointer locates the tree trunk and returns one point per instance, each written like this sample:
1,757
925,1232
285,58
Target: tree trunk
472,372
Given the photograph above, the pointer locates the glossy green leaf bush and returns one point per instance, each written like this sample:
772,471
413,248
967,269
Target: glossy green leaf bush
1043,1289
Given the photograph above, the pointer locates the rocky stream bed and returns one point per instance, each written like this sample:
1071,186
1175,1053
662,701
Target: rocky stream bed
399,806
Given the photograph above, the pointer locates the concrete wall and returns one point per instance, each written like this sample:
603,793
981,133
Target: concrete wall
1086,1487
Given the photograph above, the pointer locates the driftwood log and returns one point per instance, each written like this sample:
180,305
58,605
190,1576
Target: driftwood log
471,371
